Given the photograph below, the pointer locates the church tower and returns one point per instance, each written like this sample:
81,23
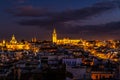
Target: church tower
54,36
13,40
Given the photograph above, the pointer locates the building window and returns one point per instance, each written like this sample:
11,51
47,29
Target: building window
103,77
110,77
96,76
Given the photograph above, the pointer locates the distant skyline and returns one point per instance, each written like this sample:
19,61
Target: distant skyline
87,19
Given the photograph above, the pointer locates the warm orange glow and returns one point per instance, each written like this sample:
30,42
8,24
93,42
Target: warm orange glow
14,45
100,75
64,40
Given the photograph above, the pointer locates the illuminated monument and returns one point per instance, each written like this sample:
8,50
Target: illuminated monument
14,45
13,40
54,36
64,40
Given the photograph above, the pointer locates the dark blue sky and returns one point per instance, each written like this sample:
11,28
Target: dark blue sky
87,19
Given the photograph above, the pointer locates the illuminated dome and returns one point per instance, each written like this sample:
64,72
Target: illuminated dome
13,40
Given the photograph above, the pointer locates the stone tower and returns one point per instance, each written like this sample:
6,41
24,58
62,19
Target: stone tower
54,36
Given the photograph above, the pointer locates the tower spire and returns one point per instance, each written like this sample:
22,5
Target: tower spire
54,30
54,36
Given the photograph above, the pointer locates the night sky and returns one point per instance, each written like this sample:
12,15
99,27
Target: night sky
87,19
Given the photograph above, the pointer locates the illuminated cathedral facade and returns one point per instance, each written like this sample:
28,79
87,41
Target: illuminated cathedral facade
64,40
14,44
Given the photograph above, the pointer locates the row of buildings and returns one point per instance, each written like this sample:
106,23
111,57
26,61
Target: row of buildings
13,44
58,62
64,40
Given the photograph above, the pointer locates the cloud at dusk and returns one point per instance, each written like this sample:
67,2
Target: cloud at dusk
28,11
98,19
65,16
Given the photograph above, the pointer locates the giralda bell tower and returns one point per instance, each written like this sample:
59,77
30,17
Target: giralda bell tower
54,36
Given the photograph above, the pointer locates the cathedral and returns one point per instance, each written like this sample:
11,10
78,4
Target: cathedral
14,45
64,40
